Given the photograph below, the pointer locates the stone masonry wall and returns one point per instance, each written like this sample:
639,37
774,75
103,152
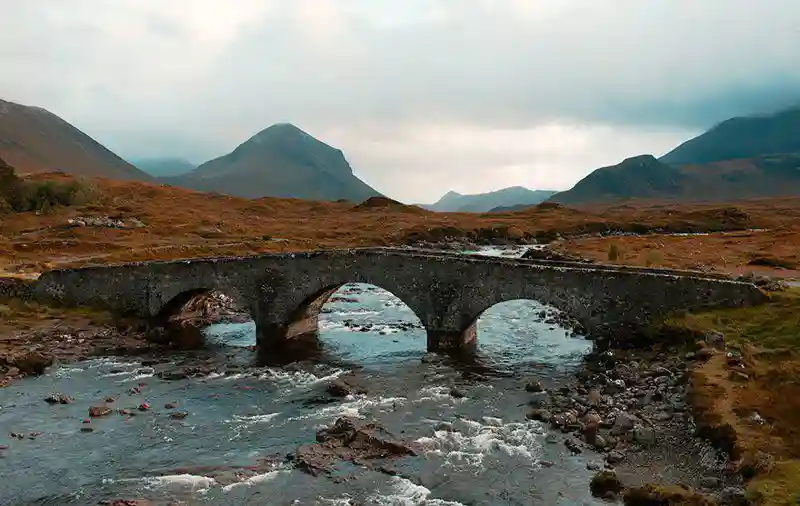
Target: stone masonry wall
447,292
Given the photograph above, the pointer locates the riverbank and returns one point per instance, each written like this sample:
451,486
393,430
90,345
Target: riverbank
746,394
35,336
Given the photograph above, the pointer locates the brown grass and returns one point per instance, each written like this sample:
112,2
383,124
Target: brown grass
182,224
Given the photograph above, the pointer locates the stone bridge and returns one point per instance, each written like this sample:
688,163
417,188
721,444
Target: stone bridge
447,291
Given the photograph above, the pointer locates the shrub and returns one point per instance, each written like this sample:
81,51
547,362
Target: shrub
45,195
613,253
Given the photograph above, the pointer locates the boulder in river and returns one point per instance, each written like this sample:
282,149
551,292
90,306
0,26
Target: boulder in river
32,362
97,411
349,440
344,386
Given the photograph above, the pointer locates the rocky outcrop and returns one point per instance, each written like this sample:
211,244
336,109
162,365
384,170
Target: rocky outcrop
350,440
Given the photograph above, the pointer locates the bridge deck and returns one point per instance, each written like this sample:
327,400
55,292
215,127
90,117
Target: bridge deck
443,255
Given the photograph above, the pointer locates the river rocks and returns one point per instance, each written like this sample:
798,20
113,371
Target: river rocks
605,484
350,440
710,482
615,457
574,445
98,411
650,495
56,398
179,415
734,496
541,415
644,436
614,387
623,423
540,400
170,405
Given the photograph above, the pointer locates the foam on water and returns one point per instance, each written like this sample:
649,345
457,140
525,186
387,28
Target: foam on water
181,481
255,480
472,442
404,492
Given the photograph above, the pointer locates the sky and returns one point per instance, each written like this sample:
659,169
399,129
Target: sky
422,96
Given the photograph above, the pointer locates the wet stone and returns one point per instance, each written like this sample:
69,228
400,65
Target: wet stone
98,411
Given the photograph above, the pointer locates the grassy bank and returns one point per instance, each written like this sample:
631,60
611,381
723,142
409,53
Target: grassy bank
747,396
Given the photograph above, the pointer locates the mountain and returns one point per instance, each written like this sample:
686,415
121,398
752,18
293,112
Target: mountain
164,167
742,137
636,177
33,139
280,161
484,202
644,177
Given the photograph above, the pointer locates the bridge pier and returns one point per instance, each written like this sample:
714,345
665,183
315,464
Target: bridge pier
453,341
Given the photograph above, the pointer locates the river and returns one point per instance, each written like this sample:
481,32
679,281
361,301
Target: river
246,412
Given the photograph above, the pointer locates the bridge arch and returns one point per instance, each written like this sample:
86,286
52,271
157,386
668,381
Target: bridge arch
290,310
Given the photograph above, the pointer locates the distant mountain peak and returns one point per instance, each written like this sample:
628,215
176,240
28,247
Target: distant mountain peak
483,202
280,161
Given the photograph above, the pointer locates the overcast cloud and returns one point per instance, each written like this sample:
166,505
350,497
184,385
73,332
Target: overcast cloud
423,96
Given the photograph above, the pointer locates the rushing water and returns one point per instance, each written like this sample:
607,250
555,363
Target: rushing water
495,457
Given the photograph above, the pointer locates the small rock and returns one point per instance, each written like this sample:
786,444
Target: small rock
593,466
546,463
733,358
710,482
716,339
56,398
644,436
170,405
590,433
541,415
339,388
87,429
109,399
534,386
615,387
179,415
445,426
623,422
97,411
456,393
615,457
704,353
595,398
733,496
573,445
540,400
605,482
